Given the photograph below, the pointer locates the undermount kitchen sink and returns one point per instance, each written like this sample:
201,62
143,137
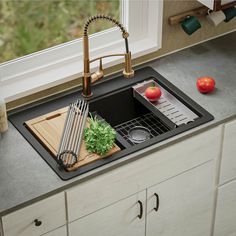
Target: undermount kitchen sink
138,122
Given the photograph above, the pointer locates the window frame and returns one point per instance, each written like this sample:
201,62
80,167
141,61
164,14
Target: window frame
59,64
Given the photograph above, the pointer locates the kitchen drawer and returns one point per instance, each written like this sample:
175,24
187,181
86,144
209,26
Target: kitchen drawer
228,163
226,210
50,212
62,231
153,168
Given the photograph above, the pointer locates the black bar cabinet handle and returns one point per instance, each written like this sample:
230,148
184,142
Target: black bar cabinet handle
37,222
141,209
157,202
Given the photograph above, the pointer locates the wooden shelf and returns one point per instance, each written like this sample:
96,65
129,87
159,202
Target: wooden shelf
201,11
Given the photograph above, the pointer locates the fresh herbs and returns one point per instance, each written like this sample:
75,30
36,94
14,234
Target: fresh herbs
99,136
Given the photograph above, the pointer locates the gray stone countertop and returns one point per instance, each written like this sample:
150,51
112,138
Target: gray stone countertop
25,177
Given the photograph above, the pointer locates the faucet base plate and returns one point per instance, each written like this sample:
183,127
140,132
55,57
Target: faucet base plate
128,74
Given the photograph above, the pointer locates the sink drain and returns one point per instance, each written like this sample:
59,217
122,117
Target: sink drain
139,134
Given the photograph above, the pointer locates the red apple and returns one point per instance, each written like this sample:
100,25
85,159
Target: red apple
205,84
152,93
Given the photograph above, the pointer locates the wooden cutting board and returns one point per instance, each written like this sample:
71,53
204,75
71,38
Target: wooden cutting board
48,129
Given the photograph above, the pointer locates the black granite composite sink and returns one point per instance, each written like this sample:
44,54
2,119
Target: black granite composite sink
138,123
118,107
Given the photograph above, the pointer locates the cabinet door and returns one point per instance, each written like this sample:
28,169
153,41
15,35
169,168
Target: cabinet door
57,232
228,163
185,204
121,218
225,222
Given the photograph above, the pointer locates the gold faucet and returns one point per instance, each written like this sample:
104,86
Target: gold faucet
89,78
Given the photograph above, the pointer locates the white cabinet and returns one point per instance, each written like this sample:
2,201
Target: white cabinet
36,219
225,222
124,218
182,205
62,231
228,162
215,4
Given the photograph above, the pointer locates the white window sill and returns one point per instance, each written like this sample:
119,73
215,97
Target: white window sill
72,70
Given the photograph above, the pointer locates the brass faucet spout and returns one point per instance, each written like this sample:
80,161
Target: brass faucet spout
110,55
89,78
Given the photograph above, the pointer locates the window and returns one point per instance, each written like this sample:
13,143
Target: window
61,63
29,26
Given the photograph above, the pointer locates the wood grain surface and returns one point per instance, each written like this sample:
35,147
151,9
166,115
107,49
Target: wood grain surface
48,129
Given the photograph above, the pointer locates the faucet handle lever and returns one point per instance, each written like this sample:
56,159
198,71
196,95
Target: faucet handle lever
98,74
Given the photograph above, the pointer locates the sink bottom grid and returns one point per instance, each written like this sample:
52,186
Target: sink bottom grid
149,121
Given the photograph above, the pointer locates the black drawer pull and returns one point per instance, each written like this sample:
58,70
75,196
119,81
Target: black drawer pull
157,202
141,209
37,222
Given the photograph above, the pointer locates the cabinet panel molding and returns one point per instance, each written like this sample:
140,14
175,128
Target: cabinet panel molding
228,162
62,231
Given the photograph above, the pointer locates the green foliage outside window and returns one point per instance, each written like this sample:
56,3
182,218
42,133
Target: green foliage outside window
27,26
